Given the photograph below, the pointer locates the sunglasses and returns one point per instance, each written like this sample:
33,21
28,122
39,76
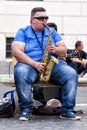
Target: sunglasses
41,18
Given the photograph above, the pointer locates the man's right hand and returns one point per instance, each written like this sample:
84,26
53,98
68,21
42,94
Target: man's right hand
40,66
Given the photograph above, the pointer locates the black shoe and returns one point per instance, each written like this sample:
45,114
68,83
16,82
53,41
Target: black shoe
78,111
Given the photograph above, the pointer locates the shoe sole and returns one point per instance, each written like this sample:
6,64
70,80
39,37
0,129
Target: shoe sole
68,118
23,119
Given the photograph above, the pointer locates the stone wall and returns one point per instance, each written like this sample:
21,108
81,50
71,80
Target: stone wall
69,15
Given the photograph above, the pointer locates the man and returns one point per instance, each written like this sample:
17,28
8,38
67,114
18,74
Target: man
77,58
38,91
28,48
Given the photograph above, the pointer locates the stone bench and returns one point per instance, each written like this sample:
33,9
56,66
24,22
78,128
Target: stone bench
5,79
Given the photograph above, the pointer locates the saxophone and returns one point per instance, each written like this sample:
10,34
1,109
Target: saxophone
48,60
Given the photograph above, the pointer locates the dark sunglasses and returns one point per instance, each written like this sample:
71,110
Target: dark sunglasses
41,18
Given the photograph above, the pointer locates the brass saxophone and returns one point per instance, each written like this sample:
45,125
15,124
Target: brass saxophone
48,60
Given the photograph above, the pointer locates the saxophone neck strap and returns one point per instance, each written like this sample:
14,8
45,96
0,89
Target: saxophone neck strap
40,43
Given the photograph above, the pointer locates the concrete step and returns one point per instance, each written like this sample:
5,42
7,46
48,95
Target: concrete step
6,79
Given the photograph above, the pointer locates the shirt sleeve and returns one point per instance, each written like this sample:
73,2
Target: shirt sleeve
20,36
56,36
84,55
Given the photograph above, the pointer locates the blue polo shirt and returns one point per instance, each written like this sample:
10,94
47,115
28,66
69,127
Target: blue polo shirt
32,48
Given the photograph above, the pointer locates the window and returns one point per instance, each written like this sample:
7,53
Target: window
8,47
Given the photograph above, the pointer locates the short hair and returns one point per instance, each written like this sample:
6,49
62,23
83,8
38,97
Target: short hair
36,9
51,24
78,43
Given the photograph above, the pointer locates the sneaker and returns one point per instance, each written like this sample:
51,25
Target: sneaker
85,75
69,116
24,116
78,112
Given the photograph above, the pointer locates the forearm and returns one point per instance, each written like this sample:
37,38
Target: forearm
25,59
61,51
76,60
22,57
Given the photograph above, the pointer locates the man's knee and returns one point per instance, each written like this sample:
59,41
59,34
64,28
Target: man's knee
73,72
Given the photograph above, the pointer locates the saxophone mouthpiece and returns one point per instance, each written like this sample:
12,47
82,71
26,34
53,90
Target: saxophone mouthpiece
46,25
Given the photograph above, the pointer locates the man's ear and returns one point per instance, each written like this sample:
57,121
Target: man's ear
31,20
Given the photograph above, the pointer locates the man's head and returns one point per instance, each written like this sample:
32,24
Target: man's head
79,45
38,18
37,9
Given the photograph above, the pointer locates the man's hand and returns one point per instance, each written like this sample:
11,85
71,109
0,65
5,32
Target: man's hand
84,63
40,66
52,49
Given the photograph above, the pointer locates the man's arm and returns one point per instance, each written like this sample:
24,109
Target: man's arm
18,53
77,60
60,49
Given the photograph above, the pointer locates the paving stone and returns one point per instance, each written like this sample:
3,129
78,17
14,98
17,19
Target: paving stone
44,122
47,122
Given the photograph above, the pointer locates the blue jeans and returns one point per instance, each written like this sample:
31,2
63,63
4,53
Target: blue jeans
39,95
62,74
78,67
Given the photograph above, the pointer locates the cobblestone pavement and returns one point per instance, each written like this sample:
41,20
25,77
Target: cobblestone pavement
44,123
47,122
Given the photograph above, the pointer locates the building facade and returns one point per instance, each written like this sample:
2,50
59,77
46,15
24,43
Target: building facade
69,15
